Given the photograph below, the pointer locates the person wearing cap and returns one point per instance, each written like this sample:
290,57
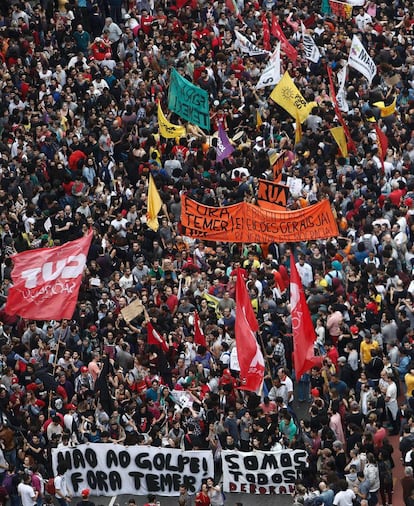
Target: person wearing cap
84,380
85,493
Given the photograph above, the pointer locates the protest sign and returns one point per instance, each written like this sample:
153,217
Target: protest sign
248,223
132,310
109,470
274,193
262,472
360,60
188,101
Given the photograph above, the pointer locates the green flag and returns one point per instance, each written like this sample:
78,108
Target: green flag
190,102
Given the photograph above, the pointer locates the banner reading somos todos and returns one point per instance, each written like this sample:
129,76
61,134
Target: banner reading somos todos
109,470
262,472
248,223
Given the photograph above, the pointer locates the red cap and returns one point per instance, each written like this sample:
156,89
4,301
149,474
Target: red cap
85,492
84,369
409,202
69,406
354,329
315,392
93,328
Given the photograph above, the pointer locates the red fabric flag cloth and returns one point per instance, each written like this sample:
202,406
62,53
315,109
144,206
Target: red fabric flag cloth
382,143
302,327
153,337
285,45
46,281
199,337
249,355
266,32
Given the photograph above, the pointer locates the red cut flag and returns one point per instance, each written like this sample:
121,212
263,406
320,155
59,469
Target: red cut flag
46,281
303,331
199,337
249,355
153,337
285,45
266,32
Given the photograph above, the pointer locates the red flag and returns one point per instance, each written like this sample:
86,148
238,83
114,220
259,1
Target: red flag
285,45
351,143
153,337
266,32
199,337
382,143
248,351
303,331
46,281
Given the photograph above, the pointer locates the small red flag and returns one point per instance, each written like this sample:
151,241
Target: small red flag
46,281
249,355
303,330
199,337
153,337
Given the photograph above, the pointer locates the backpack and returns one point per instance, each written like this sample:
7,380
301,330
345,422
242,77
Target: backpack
50,486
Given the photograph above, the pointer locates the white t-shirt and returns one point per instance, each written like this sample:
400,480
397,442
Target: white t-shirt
60,484
27,494
344,498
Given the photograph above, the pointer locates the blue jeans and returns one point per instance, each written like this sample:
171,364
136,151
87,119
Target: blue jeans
303,387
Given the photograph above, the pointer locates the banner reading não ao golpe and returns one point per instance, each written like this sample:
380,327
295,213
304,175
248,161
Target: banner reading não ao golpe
108,469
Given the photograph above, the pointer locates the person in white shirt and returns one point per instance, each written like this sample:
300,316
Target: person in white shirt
62,493
27,493
362,20
345,496
305,272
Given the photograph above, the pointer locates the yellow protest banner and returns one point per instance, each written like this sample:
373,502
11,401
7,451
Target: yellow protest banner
167,129
287,95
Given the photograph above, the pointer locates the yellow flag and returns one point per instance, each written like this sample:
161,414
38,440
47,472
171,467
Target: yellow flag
167,129
387,110
339,135
259,121
298,129
154,205
273,156
287,95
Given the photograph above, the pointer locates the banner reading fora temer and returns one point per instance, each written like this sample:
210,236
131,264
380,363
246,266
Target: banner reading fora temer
262,472
248,223
190,102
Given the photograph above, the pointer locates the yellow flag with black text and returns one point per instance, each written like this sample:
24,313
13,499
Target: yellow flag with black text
287,95
167,129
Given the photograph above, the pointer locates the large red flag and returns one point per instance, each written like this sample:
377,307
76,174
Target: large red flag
303,331
285,45
250,357
46,281
153,337
199,337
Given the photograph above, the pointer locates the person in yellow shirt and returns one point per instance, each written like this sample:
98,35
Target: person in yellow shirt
409,382
365,349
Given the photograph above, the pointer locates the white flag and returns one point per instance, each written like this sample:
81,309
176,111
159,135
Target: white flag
310,48
341,95
271,74
245,46
360,60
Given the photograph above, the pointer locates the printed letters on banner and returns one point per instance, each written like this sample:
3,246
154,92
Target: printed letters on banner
360,60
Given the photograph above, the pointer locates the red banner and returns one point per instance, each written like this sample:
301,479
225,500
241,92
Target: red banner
249,355
382,143
302,327
46,281
285,45
266,32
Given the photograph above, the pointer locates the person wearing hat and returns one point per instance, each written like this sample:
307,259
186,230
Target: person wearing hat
84,380
85,498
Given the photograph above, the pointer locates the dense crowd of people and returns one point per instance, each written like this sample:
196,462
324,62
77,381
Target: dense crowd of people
79,87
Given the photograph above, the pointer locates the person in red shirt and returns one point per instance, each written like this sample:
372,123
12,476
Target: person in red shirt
146,22
172,300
